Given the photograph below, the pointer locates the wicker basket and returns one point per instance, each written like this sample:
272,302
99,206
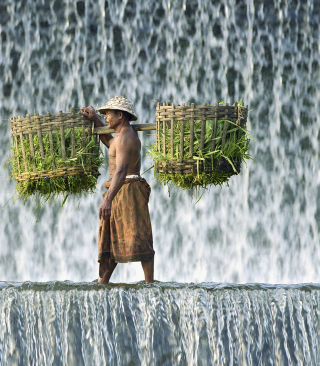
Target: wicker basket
166,117
48,125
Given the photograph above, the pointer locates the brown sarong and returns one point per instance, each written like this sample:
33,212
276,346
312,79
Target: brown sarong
127,235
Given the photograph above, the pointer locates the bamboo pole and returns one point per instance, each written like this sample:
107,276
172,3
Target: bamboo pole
137,127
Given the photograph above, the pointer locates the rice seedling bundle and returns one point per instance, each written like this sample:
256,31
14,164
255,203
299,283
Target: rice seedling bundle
199,145
54,154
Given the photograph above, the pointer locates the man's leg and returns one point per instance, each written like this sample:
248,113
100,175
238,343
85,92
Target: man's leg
108,267
148,269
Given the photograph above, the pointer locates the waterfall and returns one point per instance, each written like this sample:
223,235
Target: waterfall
263,228
62,323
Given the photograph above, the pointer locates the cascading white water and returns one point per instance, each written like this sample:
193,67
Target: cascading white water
265,226
163,324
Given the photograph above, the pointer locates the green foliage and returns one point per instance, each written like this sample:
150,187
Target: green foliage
50,188
235,149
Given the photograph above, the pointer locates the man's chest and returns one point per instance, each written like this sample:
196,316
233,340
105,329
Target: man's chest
112,148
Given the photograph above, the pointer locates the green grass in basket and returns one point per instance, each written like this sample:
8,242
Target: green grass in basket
236,148
47,188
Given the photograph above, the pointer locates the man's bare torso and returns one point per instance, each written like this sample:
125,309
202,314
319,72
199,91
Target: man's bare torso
124,136
124,159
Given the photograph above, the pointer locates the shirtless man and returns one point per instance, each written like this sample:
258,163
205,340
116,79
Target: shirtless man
118,241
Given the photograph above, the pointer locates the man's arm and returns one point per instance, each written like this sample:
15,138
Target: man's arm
123,150
90,113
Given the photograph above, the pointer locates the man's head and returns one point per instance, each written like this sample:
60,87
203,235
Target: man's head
120,104
114,117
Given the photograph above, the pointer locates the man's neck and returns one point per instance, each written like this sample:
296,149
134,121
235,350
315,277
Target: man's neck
122,126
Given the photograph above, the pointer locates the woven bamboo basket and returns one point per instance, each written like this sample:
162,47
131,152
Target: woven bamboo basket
166,118
47,126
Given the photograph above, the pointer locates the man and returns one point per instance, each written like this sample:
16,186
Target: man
125,233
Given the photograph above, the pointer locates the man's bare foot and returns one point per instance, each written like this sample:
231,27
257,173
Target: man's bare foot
103,267
148,269
106,269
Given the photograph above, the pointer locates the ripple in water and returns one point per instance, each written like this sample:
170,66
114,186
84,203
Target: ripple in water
265,227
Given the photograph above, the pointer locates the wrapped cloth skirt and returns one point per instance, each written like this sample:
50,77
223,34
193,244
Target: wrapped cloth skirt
127,235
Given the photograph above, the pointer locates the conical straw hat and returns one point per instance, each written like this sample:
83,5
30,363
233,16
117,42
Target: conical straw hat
120,103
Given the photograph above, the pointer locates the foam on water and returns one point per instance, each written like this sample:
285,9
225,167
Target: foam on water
265,226
65,323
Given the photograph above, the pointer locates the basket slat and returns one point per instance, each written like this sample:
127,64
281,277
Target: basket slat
73,149
97,144
190,114
23,153
191,131
41,144
60,172
237,121
225,127
172,130
73,143
158,140
164,136
243,114
17,157
181,136
32,152
196,166
38,124
83,135
181,139
224,133
24,130
51,149
203,128
214,130
63,144
203,133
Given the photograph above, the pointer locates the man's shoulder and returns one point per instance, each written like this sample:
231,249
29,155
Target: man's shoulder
128,136
128,133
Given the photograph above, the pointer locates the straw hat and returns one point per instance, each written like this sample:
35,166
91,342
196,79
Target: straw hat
120,103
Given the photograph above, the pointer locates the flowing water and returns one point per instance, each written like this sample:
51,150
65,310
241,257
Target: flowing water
264,228
62,323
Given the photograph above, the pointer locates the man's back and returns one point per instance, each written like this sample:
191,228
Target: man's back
127,137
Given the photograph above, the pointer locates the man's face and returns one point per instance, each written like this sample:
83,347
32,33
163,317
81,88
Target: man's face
111,118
